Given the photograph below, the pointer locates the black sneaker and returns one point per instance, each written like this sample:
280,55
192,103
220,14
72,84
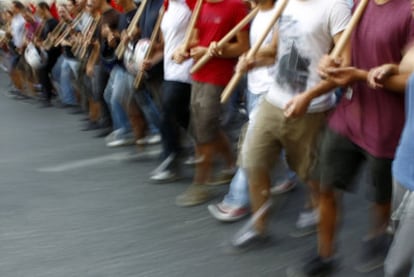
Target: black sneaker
319,266
374,252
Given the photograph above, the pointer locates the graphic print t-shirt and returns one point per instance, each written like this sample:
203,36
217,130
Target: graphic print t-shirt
305,29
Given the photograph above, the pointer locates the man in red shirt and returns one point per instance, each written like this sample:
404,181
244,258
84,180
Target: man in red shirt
216,19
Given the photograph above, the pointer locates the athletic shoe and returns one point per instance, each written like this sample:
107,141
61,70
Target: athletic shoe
166,164
193,160
249,240
165,176
319,266
374,252
308,219
151,139
120,142
284,187
224,177
227,213
194,195
90,126
112,136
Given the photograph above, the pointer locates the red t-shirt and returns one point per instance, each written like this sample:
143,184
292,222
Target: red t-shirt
374,118
214,22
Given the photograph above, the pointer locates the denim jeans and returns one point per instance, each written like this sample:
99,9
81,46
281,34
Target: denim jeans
68,74
175,113
119,84
99,80
145,99
238,194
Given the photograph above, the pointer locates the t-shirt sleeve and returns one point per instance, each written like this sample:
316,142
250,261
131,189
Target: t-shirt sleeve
339,16
410,31
240,11
191,4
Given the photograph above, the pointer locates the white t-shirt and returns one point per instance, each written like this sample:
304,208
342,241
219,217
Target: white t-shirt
17,30
306,29
173,26
260,79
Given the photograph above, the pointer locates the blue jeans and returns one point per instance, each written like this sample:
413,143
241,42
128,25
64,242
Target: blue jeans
149,109
68,74
238,194
119,84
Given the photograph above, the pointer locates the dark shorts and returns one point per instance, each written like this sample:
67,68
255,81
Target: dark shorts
340,161
205,111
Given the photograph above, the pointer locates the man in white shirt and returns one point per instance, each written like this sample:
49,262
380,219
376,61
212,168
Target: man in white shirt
306,31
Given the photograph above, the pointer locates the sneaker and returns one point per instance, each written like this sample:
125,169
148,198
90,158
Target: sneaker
166,164
112,136
162,177
307,219
284,187
248,240
319,266
194,195
151,139
224,177
227,213
193,160
120,142
90,126
374,252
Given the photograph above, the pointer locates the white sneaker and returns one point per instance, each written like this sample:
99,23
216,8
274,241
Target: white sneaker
307,219
284,187
111,136
193,160
151,139
164,176
120,142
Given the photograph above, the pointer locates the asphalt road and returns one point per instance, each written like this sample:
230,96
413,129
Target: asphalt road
69,206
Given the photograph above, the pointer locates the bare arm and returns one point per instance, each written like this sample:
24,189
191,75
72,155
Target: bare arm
235,49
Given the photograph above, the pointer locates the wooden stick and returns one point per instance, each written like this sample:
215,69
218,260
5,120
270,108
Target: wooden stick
206,57
66,32
47,43
88,38
252,52
343,40
120,50
191,25
154,35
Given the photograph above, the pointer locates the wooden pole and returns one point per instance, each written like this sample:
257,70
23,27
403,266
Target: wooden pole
154,36
67,31
345,36
191,25
120,50
252,52
206,57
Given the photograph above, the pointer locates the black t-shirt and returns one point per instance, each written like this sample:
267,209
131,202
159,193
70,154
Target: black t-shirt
126,19
48,27
111,18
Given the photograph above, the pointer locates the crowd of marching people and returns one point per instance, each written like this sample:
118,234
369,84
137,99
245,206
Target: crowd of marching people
326,85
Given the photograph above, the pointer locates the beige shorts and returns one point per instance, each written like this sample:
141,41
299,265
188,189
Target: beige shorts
270,131
205,111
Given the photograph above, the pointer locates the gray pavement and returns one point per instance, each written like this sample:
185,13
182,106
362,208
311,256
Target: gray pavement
69,206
